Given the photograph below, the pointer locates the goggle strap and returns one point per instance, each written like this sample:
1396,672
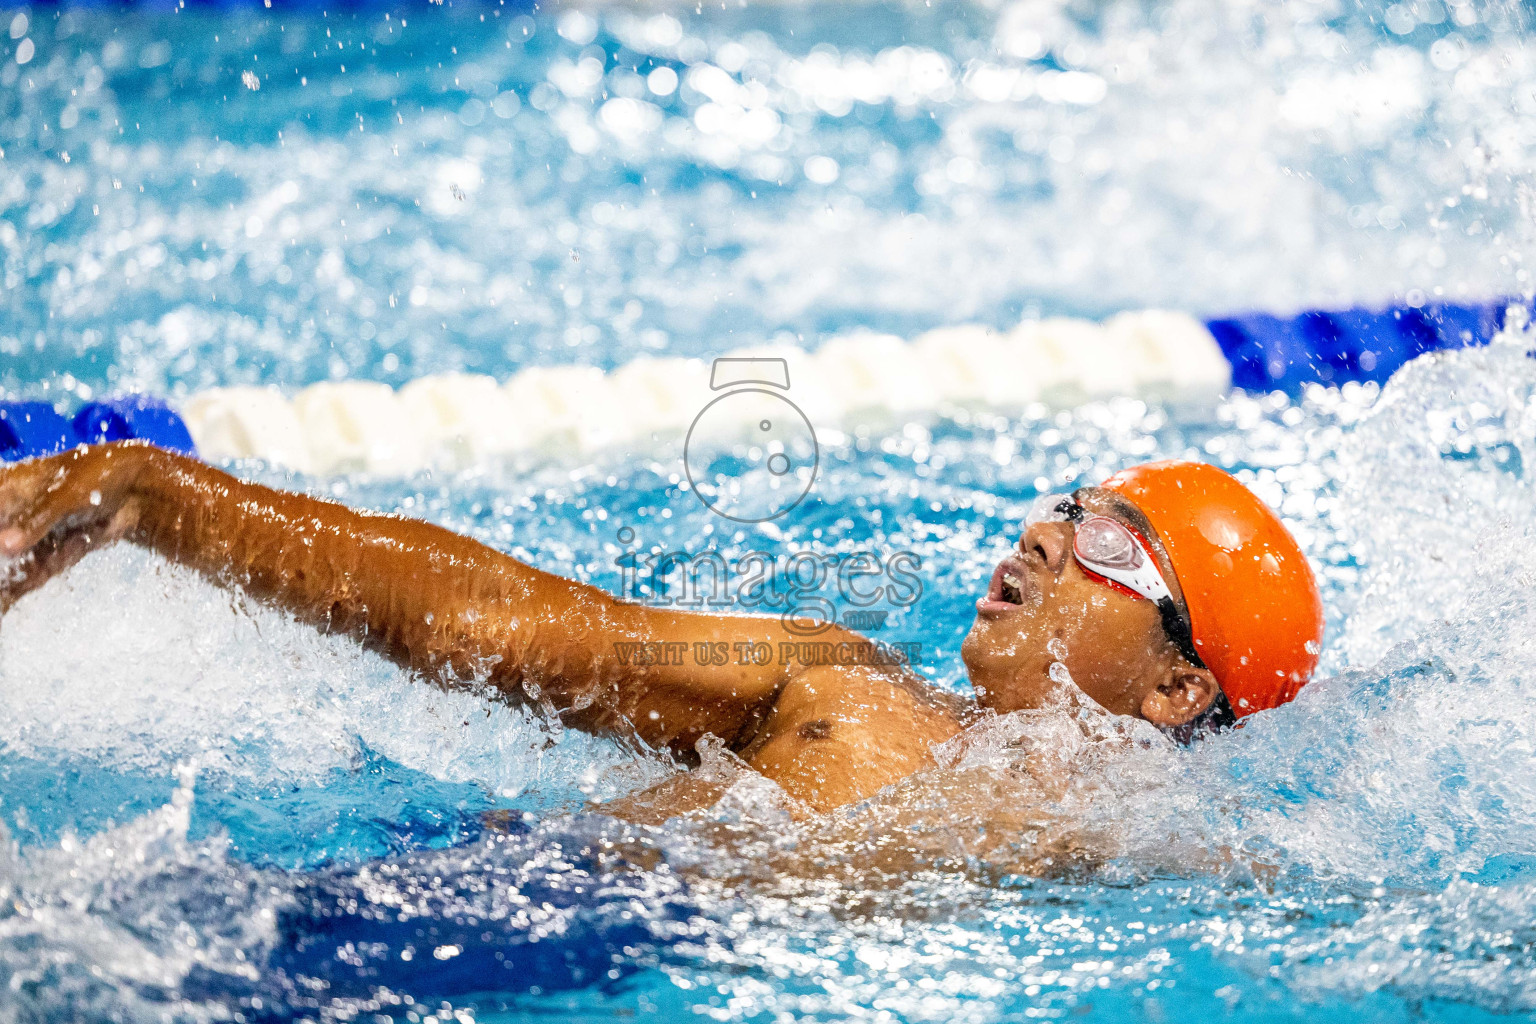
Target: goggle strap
1178,631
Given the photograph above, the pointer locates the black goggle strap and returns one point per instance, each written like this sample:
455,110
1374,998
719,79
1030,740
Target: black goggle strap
1219,716
1178,631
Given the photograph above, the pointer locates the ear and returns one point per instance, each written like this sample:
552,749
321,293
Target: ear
1181,697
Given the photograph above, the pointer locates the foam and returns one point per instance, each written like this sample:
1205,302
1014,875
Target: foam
90,917
251,696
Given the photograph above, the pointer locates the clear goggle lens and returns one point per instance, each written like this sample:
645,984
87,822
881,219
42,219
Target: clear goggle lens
1101,541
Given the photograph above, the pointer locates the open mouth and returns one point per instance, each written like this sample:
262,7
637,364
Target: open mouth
1008,587
1012,586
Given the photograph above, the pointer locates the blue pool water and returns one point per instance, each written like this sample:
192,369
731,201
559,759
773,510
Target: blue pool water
217,814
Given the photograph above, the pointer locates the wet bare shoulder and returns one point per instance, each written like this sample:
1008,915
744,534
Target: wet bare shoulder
838,734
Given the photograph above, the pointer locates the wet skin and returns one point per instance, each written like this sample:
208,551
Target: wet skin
457,612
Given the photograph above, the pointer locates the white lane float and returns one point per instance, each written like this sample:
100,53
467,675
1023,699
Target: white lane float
868,379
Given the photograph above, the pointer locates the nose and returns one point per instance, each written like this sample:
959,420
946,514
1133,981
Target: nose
1051,541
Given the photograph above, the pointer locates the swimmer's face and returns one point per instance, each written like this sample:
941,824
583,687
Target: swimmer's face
1041,608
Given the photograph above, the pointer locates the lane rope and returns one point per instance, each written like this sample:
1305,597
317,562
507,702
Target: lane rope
457,420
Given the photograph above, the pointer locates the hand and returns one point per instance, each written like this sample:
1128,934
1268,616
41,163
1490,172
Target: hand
53,510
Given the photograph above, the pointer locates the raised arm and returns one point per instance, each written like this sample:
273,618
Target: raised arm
439,603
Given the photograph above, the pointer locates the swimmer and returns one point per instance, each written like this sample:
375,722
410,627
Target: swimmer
1170,593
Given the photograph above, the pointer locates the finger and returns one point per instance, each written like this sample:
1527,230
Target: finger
58,512
53,554
45,561
61,509
37,497
12,542
20,482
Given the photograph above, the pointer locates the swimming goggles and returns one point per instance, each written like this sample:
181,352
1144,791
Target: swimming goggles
1119,557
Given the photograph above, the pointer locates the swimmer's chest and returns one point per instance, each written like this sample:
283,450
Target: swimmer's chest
838,736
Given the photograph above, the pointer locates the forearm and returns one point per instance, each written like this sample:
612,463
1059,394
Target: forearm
428,598
440,603
452,608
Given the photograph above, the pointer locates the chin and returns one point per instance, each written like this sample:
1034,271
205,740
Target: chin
1005,681
980,673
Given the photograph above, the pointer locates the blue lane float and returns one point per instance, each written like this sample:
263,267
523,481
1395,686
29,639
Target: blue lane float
1270,353
285,6
133,417
32,428
29,429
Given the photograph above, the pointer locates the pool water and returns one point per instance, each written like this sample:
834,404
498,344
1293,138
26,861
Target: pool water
215,813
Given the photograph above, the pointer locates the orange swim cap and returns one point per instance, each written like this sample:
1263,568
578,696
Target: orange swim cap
1254,606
